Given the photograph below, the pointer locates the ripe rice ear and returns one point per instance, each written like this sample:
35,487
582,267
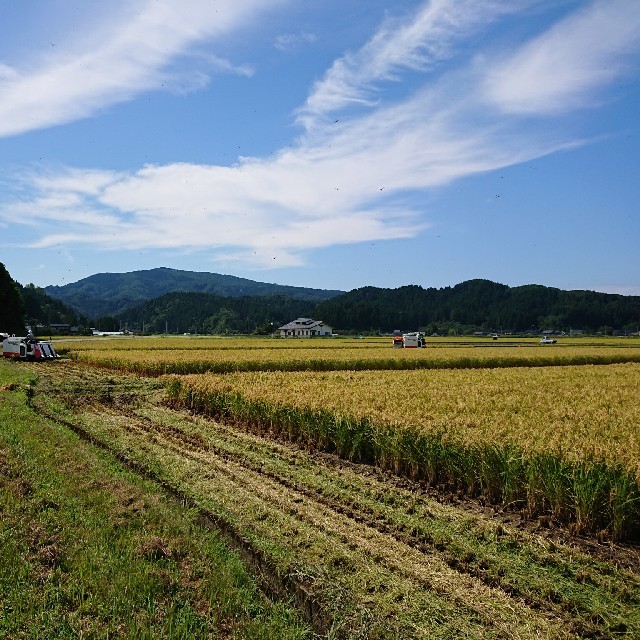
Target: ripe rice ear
589,490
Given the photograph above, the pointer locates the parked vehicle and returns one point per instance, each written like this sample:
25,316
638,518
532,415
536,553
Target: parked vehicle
547,340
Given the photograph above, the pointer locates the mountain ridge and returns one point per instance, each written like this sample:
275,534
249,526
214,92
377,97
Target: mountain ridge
481,303
196,301
105,294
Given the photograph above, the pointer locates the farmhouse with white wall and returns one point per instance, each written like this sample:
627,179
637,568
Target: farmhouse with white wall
304,328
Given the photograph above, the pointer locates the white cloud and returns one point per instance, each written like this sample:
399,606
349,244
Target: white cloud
562,69
362,178
289,42
7,73
349,187
74,80
417,43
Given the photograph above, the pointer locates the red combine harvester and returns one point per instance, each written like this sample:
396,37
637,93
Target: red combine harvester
398,342
27,348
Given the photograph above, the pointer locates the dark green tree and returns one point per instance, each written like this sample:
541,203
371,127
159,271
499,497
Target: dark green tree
11,307
478,304
42,309
108,323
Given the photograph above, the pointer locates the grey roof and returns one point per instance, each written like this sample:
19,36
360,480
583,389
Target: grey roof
301,323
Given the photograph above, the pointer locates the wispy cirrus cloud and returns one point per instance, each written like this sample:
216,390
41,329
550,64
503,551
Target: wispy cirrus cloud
417,42
288,42
566,67
130,55
363,177
351,187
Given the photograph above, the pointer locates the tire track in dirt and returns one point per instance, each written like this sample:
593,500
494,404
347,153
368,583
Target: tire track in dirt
272,581
346,528
402,533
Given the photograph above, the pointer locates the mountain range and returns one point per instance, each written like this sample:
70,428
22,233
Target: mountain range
164,299
105,294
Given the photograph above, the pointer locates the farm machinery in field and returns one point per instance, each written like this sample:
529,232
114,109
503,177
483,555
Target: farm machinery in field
412,340
27,348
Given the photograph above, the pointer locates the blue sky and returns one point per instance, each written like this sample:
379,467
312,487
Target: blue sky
323,143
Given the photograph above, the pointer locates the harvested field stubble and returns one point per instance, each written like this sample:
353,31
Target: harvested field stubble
90,550
556,440
377,556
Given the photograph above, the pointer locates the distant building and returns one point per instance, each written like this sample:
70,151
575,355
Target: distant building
304,328
61,328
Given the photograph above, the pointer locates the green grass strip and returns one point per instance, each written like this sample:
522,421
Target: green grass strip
88,549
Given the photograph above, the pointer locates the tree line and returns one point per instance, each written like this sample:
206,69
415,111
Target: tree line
30,306
482,305
475,305
191,312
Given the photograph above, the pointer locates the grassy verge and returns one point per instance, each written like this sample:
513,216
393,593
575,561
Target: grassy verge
88,549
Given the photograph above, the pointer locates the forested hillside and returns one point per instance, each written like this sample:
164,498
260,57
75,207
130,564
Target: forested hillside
11,305
31,306
469,306
43,310
254,307
207,313
111,293
482,304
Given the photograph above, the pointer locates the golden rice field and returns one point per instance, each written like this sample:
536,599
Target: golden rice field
502,421
157,356
360,553
200,342
583,412
516,466
223,343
